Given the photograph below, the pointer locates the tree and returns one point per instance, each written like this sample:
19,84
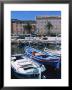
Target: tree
49,27
28,27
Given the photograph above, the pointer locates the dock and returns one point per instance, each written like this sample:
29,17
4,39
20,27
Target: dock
37,40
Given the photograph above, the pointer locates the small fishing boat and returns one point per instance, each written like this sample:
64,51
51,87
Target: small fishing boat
42,57
56,52
23,67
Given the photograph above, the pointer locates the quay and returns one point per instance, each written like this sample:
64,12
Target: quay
37,40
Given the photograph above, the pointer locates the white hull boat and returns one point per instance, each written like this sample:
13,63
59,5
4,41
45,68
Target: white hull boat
26,68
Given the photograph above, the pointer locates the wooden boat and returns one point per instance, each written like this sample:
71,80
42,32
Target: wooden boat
42,57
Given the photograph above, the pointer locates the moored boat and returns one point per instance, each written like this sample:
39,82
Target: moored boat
25,68
54,52
42,57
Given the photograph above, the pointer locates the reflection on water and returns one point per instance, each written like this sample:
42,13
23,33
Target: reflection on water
19,48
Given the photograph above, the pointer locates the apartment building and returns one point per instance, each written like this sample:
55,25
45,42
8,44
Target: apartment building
18,27
42,21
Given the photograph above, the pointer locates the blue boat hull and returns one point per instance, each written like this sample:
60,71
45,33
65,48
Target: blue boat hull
48,60
45,62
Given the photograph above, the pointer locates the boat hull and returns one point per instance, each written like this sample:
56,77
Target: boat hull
54,61
23,76
55,64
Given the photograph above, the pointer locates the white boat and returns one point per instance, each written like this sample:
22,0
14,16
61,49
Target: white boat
26,68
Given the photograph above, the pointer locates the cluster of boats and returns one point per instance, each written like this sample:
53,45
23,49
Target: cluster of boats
31,38
32,63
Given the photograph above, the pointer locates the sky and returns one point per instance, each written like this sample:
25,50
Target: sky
30,15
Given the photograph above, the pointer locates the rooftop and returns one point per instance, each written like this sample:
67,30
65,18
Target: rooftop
48,17
22,21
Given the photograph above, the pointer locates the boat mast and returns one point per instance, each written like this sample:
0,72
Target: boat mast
39,73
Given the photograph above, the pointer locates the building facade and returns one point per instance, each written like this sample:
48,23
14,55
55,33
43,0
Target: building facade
42,21
18,27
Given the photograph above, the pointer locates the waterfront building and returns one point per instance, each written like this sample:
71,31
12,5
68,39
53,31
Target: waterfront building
39,25
18,27
42,21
